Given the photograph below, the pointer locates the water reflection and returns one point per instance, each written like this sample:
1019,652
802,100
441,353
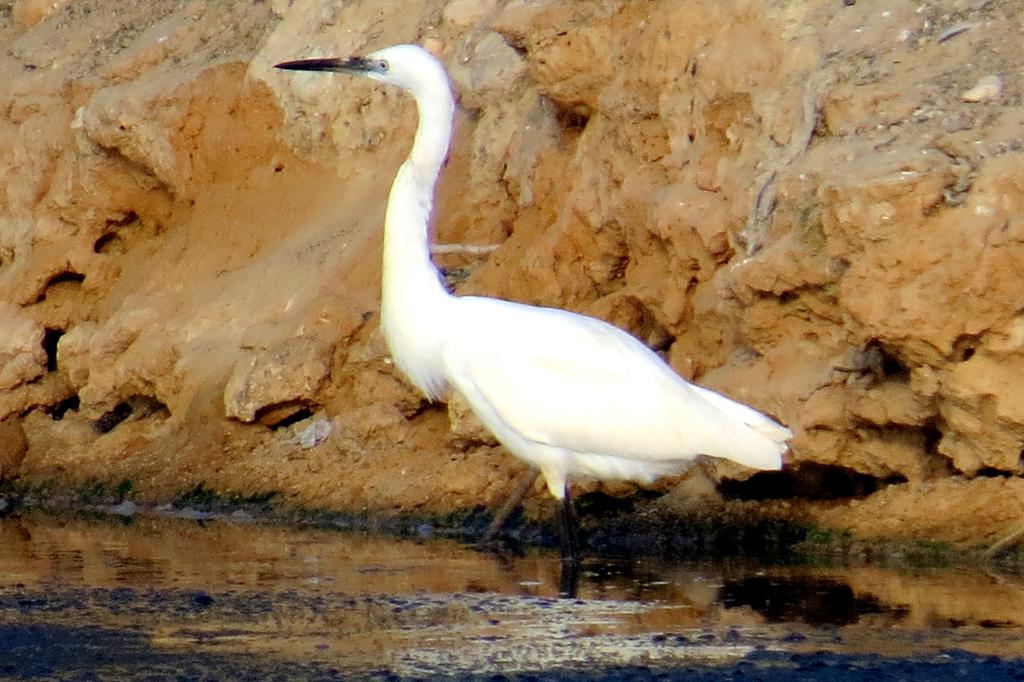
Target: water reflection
806,599
327,597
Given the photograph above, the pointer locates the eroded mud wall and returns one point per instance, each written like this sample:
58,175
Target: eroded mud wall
807,205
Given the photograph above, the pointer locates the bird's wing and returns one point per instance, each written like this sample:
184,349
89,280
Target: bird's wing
581,384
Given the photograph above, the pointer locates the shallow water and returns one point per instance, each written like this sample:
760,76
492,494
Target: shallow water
227,599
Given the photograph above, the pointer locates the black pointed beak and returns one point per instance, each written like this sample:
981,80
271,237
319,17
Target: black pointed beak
346,65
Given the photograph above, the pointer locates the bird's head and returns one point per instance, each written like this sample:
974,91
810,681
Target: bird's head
410,67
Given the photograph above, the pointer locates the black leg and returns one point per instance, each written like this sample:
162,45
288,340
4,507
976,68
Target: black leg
511,503
572,548
568,528
569,579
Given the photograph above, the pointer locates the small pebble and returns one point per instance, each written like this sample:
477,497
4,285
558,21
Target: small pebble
987,88
126,508
201,600
315,433
192,514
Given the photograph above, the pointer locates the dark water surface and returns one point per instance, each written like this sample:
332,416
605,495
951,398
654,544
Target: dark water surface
165,598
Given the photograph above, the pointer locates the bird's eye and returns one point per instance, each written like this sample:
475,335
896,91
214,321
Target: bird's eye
382,65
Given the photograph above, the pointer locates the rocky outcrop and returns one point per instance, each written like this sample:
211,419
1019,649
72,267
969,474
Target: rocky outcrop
816,209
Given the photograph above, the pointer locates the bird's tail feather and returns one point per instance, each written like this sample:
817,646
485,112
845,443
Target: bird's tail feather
764,452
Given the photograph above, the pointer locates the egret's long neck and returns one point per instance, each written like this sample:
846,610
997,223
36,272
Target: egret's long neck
414,302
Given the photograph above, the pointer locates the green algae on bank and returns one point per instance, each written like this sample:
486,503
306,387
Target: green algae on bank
640,531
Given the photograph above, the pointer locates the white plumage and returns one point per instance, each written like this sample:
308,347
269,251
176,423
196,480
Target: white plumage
573,395
569,394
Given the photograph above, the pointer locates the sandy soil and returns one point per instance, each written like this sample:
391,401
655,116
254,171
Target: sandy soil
814,207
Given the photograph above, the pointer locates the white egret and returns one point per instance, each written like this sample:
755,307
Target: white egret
568,394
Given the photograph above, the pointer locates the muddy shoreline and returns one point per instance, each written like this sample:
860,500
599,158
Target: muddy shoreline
608,530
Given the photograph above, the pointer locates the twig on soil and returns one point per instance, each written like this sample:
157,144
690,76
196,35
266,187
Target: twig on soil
472,249
1014,537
